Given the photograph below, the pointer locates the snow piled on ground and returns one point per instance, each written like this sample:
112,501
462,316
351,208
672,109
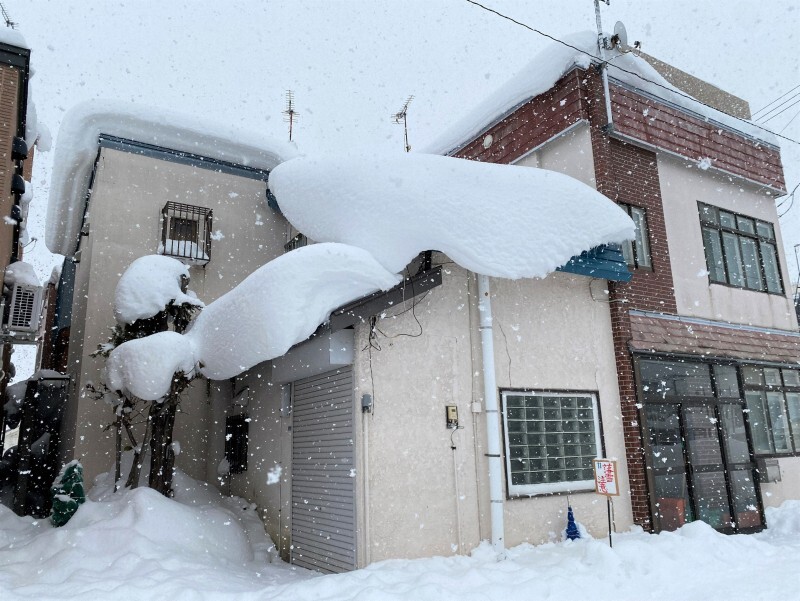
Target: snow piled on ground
497,220
139,545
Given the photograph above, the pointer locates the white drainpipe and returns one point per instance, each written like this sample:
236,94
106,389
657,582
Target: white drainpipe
492,415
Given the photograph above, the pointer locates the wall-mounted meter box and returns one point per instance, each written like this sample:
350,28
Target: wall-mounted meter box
452,416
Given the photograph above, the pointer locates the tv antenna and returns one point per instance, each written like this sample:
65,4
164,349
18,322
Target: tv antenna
401,117
290,114
7,17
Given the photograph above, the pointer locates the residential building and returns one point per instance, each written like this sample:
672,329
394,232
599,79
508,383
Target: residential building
368,441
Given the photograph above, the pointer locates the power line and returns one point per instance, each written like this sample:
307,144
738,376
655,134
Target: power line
601,61
788,123
776,100
784,110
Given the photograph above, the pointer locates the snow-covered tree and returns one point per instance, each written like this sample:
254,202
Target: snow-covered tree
148,365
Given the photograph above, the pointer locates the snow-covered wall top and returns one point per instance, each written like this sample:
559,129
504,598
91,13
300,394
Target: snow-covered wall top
77,144
12,37
498,220
281,304
550,65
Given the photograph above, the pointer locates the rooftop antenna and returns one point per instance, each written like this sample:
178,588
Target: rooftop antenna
290,113
401,117
7,17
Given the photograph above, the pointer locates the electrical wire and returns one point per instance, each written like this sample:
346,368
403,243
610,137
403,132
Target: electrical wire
601,61
784,110
776,100
788,123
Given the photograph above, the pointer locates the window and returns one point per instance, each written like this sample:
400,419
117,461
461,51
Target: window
236,436
773,403
637,252
186,233
299,241
740,251
551,440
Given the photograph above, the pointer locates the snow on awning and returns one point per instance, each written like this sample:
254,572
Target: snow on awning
497,220
77,144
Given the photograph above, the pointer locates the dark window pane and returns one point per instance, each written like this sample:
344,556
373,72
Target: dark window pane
642,243
746,224
733,259
727,381
780,426
745,501
714,261
701,436
669,379
752,268
772,376
793,404
664,436
735,433
673,508
771,271
791,377
727,220
709,214
759,424
765,230
711,495
627,252
753,376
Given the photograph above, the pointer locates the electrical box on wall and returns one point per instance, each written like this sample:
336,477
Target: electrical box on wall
452,416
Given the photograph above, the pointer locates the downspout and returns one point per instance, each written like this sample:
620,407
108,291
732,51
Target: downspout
601,47
492,415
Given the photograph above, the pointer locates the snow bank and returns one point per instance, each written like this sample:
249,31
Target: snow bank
21,272
549,66
148,285
281,304
498,220
144,367
76,149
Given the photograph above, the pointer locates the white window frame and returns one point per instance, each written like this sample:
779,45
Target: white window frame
519,490
637,252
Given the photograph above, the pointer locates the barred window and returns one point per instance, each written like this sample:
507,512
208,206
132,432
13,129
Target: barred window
551,440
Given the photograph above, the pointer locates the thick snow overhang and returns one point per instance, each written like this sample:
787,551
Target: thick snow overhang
77,147
554,62
497,220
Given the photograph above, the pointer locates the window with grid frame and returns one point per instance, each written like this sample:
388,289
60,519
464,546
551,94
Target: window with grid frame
773,404
740,251
637,252
551,439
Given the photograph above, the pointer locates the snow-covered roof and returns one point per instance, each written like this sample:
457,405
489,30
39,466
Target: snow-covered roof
550,65
281,304
499,220
13,37
77,145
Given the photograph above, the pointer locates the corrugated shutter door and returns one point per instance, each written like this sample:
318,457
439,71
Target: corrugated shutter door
323,486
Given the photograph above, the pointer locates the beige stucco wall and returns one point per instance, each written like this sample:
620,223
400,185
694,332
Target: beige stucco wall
682,186
569,153
124,215
419,496
773,494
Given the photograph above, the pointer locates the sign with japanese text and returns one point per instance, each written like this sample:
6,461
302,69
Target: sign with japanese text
605,477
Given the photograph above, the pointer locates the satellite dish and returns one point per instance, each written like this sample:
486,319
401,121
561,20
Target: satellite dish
620,37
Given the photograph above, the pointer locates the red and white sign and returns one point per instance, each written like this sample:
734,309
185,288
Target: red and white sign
605,477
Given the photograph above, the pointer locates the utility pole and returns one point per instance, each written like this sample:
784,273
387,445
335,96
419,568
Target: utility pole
601,47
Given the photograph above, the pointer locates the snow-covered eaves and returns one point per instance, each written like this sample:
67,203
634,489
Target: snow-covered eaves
554,62
498,220
77,145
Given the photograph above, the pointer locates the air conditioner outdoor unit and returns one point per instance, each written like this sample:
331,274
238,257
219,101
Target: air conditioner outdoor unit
24,313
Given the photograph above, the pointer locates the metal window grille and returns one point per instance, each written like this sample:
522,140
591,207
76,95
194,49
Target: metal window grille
186,233
298,241
237,429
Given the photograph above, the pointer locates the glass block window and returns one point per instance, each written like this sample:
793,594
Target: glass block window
740,251
551,439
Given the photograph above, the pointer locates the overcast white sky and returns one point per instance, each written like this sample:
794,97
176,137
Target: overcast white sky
352,63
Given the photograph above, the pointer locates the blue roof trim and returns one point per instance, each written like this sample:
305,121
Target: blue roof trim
605,261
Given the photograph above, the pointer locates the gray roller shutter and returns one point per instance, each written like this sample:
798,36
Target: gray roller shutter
323,486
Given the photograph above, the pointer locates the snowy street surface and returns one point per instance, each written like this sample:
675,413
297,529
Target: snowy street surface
140,545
